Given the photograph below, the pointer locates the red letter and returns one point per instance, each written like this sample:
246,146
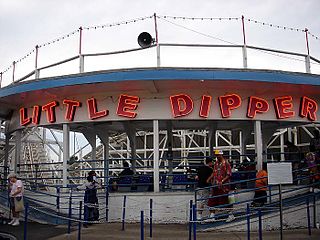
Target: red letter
181,105
257,105
205,106
71,108
308,108
127,103
51,115
227,103
36,115
24,119
92,109
284,107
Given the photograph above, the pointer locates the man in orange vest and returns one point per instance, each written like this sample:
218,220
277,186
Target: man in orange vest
260,194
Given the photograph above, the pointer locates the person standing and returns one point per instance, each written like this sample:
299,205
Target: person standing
16,198
220,179
260,193
203,173
91,207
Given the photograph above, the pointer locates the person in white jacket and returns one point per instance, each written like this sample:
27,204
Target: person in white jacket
16,195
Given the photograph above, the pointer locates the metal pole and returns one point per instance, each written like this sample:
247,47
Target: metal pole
244,48
79,225
69,213
151,203
141,226
36,71
156,156
124,211
308,217
270,194
260,224
307,40
314,211
190,219
13,70
107,202
58,198
281,216
248,221
81,57
66,154
157,39
194,218
1,78
25,221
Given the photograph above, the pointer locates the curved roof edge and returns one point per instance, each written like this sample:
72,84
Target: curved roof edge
156,74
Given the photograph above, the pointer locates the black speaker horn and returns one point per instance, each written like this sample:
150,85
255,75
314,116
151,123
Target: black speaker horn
145,40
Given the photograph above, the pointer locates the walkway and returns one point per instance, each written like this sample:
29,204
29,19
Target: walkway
112,231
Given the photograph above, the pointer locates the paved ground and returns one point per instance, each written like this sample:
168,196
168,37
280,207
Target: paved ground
112,231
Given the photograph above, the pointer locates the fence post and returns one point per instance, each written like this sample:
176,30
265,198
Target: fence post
314,211
248,221
58,198
79,225
25,221
194,218
308,217
269,188
151,203
142,226
124,211
190,219
260,224
69,214
107,202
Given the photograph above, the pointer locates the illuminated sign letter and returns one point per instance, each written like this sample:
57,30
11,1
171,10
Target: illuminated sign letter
49,108
228,103
24,119
256,105
92,109
36,114
181,105
284,106
308,108
205,106
126,105
71,108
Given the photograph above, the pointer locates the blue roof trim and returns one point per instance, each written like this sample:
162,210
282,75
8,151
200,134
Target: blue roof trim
162,74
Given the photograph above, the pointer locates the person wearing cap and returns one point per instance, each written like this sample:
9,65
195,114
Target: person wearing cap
220,178
16,194
203,193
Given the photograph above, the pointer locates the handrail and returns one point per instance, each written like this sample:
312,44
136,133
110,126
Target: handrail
166,45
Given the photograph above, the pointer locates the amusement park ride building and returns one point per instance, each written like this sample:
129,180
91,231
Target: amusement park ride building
153,99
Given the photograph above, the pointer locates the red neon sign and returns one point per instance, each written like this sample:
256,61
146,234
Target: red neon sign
256,105
181,105
228,103
283,107
126,105
50,109
71,108
92,109
308,108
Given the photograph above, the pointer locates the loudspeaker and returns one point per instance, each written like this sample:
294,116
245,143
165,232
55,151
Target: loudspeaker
145,40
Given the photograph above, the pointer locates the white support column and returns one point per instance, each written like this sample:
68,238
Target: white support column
156,156
245,56
258,143
17,159
104,137
66,154
6,155
282,146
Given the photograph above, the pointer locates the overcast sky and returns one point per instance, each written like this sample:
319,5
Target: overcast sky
27,23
